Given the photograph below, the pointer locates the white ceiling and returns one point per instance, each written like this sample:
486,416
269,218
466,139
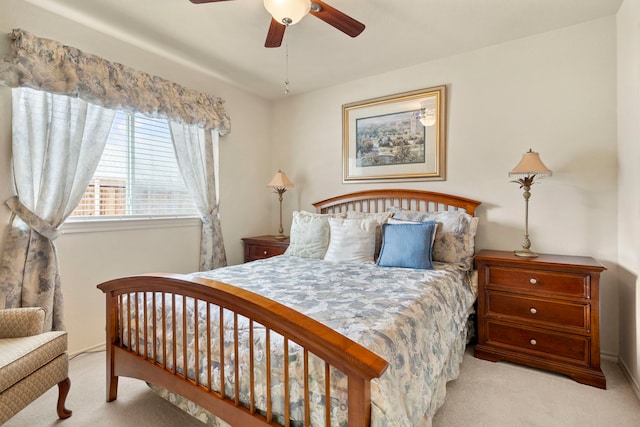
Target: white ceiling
226,39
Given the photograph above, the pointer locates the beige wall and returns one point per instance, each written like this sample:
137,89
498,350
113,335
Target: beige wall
87,259
628,29
553,92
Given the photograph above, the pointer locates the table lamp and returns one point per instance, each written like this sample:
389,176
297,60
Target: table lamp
280,183
526,171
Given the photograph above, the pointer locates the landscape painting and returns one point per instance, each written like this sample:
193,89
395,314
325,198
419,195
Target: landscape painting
395,138
390,139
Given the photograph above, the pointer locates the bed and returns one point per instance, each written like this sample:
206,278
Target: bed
302,341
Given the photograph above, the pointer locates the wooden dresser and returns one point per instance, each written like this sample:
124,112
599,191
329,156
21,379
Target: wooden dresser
541,312
261,247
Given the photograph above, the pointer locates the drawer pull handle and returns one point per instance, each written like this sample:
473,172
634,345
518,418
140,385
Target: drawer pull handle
533,281
533,310
533,342
264,253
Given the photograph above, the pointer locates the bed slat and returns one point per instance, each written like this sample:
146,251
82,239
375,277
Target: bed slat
307,404
208,344
137,322
196,342
185,346
252,379
174,336
327,394
154,344
221,344
287,408
236,355
268,362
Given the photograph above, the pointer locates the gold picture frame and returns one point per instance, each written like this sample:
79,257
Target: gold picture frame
399,137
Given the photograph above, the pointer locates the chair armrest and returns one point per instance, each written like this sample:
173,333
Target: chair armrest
21,322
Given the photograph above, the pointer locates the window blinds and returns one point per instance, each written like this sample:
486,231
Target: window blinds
138,174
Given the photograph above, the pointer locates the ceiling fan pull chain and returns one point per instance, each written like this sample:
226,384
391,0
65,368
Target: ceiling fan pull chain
286,66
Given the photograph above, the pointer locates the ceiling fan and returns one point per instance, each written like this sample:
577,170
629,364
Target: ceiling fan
289,12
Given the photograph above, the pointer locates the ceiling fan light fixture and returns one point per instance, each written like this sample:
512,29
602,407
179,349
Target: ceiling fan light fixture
287,12
427,117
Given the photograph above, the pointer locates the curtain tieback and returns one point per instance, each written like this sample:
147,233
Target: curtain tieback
34,222
207,220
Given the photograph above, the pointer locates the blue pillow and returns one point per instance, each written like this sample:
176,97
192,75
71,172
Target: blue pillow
407,245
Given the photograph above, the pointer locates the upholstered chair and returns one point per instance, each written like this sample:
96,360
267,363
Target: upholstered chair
31,362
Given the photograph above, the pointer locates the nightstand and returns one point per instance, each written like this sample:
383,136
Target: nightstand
262,247
542,312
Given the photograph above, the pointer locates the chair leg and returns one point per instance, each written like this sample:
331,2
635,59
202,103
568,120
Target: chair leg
63,390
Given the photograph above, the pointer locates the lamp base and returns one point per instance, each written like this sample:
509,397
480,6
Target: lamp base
280,237
525,253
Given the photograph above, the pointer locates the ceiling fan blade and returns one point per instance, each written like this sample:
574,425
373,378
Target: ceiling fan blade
336,19
275,34
205,1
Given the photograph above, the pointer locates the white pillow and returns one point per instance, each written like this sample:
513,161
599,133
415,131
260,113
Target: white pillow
352,240
380,217
309,236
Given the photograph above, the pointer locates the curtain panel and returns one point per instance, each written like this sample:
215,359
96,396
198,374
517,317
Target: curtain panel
57,144
52,67
194,152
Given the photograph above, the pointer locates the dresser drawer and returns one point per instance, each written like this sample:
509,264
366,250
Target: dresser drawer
260,252
558,314
538,282
547,344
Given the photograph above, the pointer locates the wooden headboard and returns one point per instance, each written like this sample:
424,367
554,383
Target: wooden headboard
378,201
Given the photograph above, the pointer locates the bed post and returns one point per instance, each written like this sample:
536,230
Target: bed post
112,336
359,401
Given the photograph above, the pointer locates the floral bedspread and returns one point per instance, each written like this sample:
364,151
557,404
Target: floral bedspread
415,319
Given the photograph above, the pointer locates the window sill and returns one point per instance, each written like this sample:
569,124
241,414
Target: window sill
92,225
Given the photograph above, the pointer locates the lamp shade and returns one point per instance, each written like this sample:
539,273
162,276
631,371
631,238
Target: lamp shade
287,12
530,164
280,180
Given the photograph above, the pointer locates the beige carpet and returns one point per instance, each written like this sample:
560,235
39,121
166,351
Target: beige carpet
486,394
502,394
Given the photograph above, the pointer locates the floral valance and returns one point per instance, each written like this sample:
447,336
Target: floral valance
50,66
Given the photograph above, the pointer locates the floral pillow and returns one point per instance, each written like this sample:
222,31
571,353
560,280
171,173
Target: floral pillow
309,236
455,236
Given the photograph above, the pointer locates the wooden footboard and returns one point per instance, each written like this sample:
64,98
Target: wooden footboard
129,301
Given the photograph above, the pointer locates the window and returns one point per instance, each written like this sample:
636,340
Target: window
138,175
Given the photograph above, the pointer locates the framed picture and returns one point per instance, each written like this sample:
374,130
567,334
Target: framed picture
395,138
